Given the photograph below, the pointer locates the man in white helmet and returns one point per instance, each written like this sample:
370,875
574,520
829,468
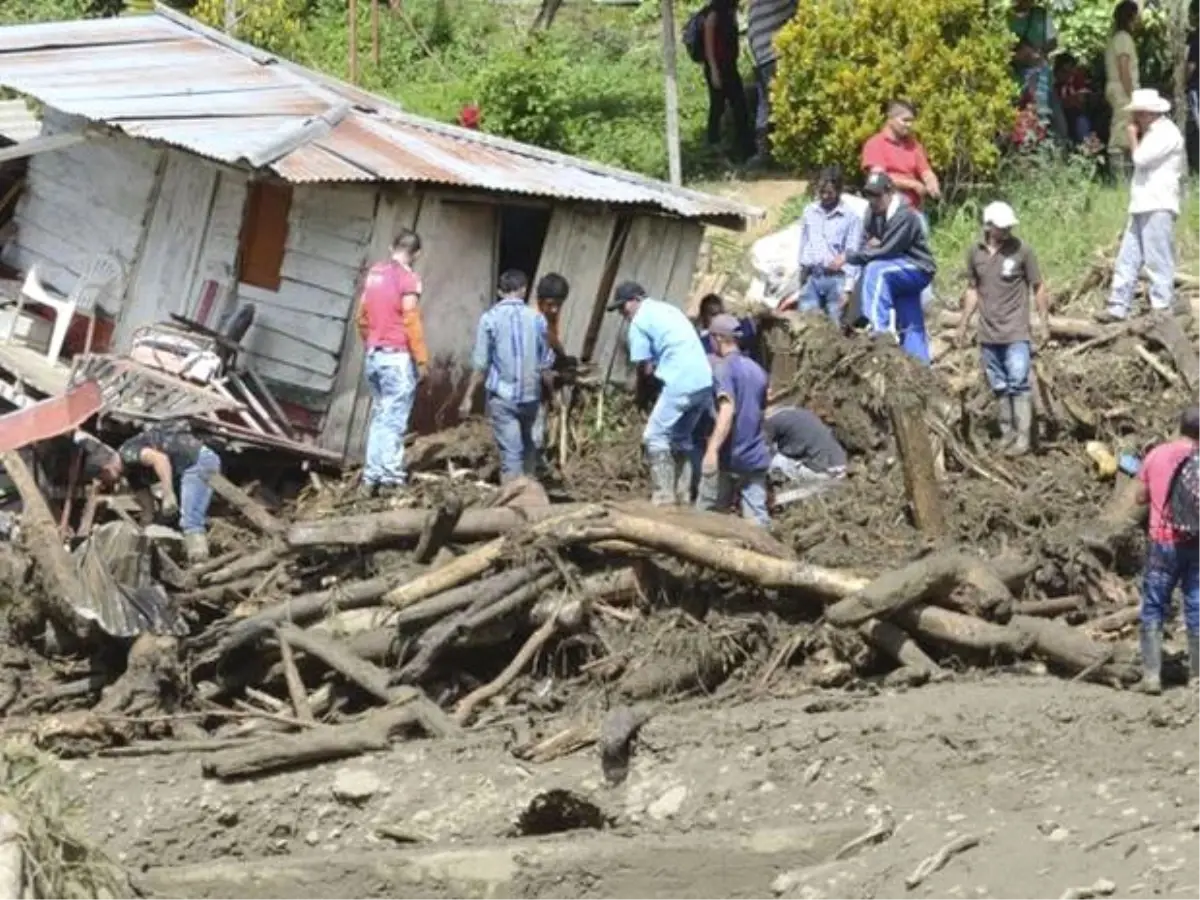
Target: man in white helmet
1002,275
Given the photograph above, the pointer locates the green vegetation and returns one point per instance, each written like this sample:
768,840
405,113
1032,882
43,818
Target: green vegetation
841,61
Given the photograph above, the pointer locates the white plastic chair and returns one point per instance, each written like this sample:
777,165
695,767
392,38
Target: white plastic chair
103,279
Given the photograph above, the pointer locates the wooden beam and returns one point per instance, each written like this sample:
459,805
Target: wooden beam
671,88
44,144
916,459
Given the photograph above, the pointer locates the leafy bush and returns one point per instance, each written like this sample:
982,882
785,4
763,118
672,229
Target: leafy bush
274,25
840,61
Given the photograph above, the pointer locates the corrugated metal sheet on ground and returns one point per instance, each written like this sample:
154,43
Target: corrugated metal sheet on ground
167,78
17,121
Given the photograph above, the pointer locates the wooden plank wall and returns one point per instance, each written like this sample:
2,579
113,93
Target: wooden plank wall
576,247
297,336
660,254
88,199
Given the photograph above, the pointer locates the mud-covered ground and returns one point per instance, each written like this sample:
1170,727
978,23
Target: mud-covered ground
1065,785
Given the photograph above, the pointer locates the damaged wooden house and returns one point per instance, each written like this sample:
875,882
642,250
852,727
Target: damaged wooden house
185,178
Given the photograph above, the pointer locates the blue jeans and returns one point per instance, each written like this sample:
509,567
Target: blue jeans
717,493
891,301
392,378
824,292
1007,367
672,423
1168,565
195,492
1149,241
512,427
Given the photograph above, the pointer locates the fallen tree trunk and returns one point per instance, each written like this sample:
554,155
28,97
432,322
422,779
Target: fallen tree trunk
1164,330
899,645
438,529
487,590
963,632
55,568
245,565
254,511
1048,608
927,579
1065,648
482,524
916,461
305,608
1060,327
368,735
336,656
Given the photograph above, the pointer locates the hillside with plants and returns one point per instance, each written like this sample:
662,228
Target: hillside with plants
591,84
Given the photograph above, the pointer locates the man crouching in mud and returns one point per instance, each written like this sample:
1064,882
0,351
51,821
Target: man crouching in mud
1168,477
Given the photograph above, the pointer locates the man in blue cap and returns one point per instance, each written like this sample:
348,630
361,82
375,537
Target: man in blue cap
663,344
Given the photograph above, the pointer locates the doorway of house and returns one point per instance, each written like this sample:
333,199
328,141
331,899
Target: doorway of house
522,236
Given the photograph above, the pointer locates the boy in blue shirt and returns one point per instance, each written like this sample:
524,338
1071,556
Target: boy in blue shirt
737,457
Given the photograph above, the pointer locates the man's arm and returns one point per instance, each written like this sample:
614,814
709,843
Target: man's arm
908,183
480,358
970,305
161,464
1153,147
854,243
414,330
899,234
710,49
720,432
1041,299
360,320
90,507
929,179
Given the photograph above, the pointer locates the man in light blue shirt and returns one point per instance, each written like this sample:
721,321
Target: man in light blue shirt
663,343
511,356
828,229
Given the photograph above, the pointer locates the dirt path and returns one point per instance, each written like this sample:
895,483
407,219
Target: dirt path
729,800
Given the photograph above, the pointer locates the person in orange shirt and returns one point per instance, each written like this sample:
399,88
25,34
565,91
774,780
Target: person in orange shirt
389,323
895,151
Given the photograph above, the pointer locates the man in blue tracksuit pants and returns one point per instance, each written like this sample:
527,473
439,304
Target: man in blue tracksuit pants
896,267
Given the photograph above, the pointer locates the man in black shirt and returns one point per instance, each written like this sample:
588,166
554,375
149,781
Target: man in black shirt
807,458
168,456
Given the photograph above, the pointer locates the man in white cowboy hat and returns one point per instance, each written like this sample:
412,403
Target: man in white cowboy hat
1002,273
1159,156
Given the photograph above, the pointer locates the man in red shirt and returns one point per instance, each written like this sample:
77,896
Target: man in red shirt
895,151
389,323
1173,557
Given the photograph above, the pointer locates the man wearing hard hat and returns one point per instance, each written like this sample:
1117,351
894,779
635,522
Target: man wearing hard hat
1002,273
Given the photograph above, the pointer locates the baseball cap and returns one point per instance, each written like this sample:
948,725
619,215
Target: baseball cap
724,325
626,291
1000,215
877,183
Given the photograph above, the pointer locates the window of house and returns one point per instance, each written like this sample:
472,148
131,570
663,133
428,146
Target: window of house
264,234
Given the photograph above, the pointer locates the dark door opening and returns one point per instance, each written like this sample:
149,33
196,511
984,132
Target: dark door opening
522,235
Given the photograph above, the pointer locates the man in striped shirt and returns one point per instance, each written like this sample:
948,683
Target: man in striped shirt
765,19
828,229
511,358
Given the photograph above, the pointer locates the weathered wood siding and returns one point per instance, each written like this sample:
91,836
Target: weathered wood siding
298,331
92,198
163,276
577,247
659,254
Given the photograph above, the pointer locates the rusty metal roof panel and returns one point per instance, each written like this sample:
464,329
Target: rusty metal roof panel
87,33
167,78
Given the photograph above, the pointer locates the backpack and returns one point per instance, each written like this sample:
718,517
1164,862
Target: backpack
1183,498
693,34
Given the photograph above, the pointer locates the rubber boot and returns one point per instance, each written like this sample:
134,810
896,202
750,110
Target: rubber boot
1022,409
1152,643
1004,416
1194,654
195,546
662,479
683,478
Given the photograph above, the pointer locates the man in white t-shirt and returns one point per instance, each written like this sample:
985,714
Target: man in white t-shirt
1158,152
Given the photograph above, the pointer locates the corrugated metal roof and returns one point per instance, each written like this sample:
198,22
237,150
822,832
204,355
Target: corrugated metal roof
17,121
168,78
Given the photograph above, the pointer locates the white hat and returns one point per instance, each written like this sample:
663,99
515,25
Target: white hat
1148,100
999,214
